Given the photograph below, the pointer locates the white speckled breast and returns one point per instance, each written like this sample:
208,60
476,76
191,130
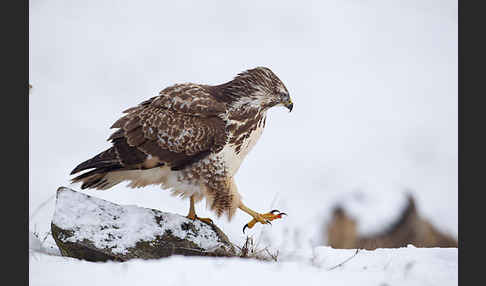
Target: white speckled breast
233,160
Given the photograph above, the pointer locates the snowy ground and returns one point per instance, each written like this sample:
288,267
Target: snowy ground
374,85
324,266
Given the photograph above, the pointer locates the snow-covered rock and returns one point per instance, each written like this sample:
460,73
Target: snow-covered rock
90,228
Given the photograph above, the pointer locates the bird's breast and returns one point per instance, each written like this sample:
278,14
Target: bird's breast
240,144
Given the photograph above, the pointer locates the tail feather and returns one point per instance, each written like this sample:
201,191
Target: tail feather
105,159
106,170
96,179
101,164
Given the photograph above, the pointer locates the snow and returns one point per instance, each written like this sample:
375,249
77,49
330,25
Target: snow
374,86
121,226
403,266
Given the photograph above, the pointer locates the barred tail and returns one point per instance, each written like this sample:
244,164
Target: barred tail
102,164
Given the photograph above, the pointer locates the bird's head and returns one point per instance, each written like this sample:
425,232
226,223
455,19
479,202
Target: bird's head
259,87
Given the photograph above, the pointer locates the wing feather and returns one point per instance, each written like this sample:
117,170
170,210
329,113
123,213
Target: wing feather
180,126
190,99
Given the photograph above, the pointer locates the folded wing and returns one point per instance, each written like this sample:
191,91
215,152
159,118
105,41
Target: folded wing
176,128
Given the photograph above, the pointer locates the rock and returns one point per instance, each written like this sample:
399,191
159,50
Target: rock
408,228
93,229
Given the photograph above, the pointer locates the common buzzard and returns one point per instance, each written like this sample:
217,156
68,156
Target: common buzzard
191,138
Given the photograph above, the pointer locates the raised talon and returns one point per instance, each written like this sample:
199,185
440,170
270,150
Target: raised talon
263,218
279,213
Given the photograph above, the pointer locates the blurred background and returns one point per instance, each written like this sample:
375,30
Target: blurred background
374,85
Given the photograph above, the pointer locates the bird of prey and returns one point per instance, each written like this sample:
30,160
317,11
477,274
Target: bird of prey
192,139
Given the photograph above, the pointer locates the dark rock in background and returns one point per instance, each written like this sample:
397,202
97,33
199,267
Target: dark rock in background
409,228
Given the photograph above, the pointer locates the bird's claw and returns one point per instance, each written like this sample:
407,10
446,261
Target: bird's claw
277,211
264,219
205,220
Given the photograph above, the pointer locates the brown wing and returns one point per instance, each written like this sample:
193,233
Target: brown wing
178,127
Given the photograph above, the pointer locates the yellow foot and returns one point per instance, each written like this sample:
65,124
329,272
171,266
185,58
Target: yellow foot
206,220
264,218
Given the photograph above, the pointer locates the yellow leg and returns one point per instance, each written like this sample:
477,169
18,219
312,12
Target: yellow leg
192,212
261,218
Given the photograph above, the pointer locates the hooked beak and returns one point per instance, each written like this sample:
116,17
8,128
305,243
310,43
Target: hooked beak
289,104
286,101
